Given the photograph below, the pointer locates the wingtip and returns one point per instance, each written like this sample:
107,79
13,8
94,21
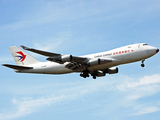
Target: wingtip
24,47
3,64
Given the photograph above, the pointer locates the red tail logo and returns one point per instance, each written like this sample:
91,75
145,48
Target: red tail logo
22,57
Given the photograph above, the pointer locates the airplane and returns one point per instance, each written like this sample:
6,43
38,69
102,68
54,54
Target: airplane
96,65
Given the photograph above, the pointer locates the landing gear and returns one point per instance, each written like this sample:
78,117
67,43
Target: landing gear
142,65
84,73
94,75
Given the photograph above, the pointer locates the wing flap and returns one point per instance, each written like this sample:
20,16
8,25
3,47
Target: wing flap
75,66
17,67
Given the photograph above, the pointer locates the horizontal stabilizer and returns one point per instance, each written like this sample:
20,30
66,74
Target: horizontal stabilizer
16,67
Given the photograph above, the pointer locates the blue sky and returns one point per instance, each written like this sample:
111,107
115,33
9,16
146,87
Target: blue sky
79,28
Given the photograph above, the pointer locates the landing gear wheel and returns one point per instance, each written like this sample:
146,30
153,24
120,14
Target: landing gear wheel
87,75
142,65
94,74
94,77
81,75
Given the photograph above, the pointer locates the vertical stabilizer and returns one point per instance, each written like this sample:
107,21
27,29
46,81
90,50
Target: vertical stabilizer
21,57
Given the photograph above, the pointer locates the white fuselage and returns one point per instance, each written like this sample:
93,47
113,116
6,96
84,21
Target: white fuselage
122,55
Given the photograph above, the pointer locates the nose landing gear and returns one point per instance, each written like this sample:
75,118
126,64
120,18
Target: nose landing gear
142,65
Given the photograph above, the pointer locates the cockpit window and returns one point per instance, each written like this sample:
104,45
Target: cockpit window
145,44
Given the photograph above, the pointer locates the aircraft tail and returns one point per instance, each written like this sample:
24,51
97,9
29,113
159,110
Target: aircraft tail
21,57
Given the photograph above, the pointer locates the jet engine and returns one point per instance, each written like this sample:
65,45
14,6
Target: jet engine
112,70
66,58
61,59
93,62
97,61
100,73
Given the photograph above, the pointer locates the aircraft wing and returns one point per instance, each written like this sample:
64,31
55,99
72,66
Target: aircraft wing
17,67
74,63
55,57
40,51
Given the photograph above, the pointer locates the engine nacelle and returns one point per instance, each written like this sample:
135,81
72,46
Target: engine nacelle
100,73
112,70
95,61
61,59
66,58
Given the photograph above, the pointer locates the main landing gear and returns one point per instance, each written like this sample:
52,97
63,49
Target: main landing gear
84,73
142,65
94,76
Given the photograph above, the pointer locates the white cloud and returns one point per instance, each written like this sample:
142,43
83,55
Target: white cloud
30,105
147,83
145,109
53,43
140,88
146,86
129,89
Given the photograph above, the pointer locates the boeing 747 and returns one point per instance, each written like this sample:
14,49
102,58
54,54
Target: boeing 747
96,65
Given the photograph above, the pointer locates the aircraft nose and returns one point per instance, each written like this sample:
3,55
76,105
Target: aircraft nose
157,50
152,50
